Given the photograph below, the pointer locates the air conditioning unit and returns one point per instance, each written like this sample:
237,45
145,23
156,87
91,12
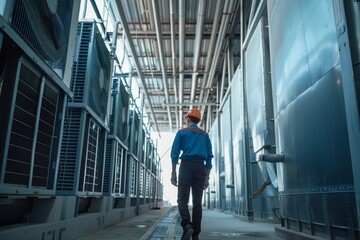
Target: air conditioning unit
81,166
32,104
119,120
82,157
91,74
45,26
115,177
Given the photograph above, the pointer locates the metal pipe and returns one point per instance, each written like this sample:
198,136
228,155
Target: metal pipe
132,49
219,7
230,60
219,44
252,10
197,45
253,23
173,53
223,80
181,53
161,52
84,7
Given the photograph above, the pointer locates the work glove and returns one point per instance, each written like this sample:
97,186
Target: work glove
173,179
206,183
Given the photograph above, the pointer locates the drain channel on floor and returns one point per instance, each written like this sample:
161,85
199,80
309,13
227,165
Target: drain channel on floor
162,229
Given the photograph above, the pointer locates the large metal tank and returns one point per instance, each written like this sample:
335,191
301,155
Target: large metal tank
257,84
242,184
316,187
214,186
226,142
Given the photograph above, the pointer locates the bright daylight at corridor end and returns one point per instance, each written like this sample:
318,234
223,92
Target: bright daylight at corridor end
97,97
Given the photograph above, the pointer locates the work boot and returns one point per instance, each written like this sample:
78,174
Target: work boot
188,231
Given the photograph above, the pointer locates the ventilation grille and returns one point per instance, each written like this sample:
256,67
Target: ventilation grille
91,173
79,68
133,177
45,27
147,184
119,171
69,150
29,155
119,121
45,136
20,150
115,169
107,165
141,181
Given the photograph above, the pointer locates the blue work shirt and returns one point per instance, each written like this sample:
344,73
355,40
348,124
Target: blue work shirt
195,145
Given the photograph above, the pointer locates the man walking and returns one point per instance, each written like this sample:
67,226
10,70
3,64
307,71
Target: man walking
194,170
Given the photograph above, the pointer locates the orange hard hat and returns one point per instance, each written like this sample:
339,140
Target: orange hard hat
194,112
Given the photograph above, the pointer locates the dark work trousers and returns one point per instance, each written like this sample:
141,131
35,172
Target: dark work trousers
191,175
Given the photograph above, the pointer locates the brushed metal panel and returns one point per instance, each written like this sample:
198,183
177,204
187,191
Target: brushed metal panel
216,171
242,186
237,106
320,39
310,119
290,73
227,153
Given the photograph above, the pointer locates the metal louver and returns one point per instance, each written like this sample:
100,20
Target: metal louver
133,177
115,168
69,151
81,167
30,151
91,172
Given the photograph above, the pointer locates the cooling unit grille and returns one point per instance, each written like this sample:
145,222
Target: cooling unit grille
32,132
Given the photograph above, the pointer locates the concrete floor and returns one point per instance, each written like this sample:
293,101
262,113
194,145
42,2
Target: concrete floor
164,223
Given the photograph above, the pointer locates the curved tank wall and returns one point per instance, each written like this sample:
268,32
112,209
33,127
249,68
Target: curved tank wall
316,189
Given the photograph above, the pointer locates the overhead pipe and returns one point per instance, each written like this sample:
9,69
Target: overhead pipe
230,60
84,8
137,65
223,80
253,24
181,55
197,46
173,53
219,44
161,53
219,7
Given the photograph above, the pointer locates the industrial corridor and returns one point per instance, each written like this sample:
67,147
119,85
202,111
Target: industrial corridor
164,224
179,119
